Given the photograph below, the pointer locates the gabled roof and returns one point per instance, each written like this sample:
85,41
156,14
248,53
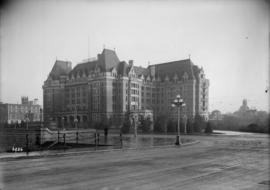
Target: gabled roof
122,68
84,67
108,59
60,68
171,69
141,71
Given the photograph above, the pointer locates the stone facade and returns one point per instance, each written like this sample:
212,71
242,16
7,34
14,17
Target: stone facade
106,88
13,113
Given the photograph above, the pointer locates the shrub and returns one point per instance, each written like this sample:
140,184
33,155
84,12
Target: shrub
146,125
189,126
208,128
255,128
126,125
199,123
171,126
160,123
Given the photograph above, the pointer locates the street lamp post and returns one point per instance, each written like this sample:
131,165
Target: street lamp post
178,102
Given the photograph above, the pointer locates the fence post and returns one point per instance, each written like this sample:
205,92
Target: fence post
121,140
58,136
98,138
64,136
37,139
27,142
77,137
95,139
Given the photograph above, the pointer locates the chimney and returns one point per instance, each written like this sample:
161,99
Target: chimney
24,100
130,63
35,101
99,56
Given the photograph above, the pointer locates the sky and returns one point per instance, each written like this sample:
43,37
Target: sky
229,39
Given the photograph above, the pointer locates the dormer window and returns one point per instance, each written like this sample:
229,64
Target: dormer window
148,78
114,72
202,75
78,75
175,78
83,75
185,76
97,70
132,73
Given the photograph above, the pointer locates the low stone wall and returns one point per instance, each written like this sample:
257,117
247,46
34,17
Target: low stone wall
70,136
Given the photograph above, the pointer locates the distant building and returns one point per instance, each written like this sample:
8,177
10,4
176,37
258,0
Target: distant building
244,106
245,111
13,113
107,88
215,115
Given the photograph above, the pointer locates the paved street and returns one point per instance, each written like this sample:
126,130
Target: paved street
217,162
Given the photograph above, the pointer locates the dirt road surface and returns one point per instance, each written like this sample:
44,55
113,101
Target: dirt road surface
218,162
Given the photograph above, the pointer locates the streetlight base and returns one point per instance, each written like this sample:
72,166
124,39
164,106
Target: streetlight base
178,141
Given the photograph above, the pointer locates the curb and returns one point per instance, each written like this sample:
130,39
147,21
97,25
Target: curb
93,151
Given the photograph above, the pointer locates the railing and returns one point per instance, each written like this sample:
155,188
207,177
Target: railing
38,139
67,136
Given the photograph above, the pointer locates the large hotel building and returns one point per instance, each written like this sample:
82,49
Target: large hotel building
106,87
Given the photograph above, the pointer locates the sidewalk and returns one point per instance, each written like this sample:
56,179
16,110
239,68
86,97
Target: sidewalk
74,151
